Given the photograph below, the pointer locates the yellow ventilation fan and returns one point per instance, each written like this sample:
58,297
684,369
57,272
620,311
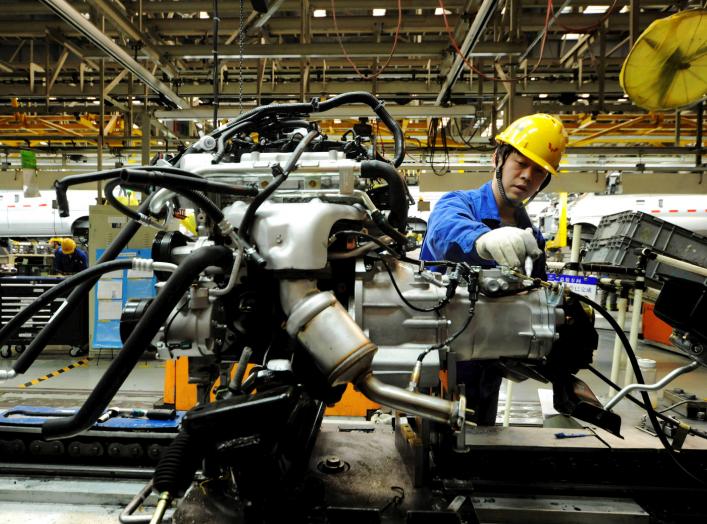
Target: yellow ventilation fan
667,66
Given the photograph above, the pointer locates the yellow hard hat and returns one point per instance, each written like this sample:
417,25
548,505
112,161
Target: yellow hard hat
540,137
68,246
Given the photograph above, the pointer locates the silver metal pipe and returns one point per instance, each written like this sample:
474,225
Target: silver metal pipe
127,517
435,408
652,387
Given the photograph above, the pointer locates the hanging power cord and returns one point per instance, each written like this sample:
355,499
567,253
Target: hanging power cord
376,74
436,123
593,27
472,67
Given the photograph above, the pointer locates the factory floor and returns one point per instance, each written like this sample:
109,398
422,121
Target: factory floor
72,500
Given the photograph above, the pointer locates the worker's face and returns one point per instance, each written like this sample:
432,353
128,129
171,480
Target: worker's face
521,176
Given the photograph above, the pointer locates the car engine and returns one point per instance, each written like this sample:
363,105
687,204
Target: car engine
302,279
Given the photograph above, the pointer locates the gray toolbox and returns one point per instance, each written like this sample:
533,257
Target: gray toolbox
618,237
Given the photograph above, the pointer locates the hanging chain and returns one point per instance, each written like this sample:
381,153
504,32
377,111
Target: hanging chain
241,39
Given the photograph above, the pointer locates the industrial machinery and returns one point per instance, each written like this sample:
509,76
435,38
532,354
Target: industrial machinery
301,269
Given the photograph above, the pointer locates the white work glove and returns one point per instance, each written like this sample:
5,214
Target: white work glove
508,246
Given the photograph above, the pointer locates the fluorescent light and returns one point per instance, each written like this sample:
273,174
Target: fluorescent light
44,143
542,95
571,36
438,11
584,95
379,12
595,9
319,13
337,121
566,9
203,14
624,9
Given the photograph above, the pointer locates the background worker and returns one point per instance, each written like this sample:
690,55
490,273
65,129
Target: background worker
489,226
68,258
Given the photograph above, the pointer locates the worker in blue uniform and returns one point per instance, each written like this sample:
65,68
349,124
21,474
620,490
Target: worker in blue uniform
68,258
489,226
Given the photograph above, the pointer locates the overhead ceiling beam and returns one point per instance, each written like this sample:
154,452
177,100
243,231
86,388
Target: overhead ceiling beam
265,17
390,89
54,35
76,20
289,26
478,26
353,111
126,26
57,69
333,50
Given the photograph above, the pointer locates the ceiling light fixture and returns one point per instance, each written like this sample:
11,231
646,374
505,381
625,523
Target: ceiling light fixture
319,13
379,12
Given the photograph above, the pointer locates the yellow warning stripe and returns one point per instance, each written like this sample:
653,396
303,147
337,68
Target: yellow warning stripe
78,363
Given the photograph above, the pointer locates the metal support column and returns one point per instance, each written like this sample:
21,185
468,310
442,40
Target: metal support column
145,137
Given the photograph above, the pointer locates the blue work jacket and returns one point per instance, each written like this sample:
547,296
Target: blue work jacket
460,217
73,263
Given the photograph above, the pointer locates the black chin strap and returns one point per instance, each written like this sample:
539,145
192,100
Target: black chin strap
521,204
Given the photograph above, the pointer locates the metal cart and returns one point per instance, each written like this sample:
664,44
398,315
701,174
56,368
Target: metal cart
17,292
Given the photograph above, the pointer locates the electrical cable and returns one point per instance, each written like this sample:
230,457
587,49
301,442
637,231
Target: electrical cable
432,146
372,238
439,305
639,378
348,58
593,27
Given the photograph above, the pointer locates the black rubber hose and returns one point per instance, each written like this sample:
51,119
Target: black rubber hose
29,355
161,179
117,204
156,315
177,466
306,108
398,216
61,186
178,186
249,215
363,97
61,289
